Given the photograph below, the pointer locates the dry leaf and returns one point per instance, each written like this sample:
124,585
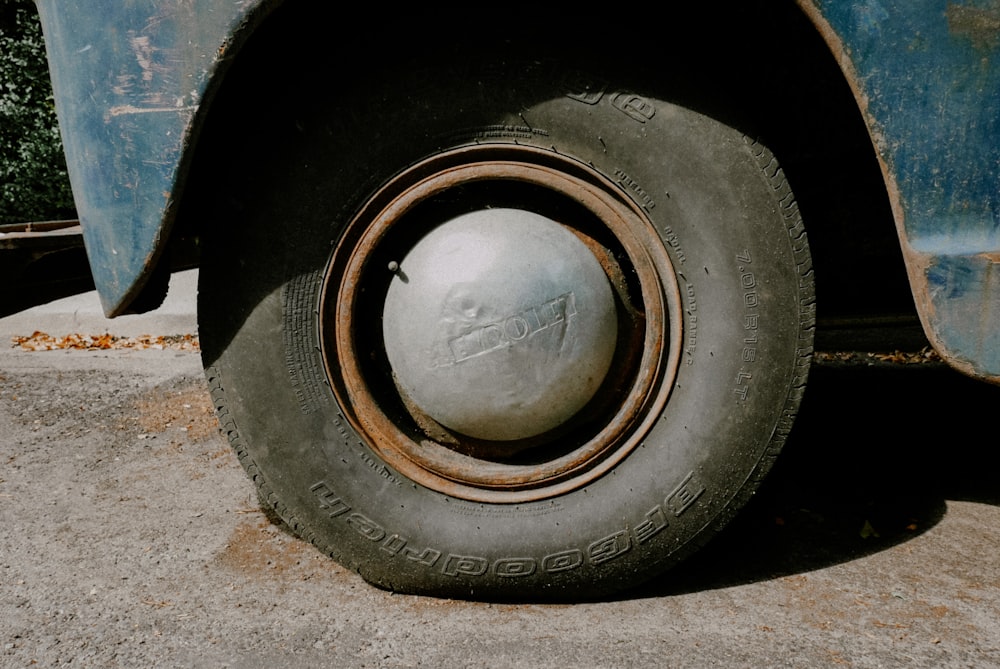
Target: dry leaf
41,341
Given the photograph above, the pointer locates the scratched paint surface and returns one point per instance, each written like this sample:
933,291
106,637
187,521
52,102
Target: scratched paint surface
931,75
928,75
129,78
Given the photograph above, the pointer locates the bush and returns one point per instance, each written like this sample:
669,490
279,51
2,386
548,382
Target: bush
33,182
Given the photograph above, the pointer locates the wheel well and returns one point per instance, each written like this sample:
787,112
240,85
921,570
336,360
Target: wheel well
761,67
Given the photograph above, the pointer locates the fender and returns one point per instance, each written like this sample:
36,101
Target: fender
927,79
134,81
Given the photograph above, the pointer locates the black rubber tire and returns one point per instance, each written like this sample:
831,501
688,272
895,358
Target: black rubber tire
727,220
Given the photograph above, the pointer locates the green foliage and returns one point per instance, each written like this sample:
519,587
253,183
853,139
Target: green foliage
33,181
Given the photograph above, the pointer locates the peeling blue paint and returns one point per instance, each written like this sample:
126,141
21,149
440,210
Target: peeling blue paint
129,78
929,73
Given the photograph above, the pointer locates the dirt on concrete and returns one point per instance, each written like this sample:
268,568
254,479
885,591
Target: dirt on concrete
130,537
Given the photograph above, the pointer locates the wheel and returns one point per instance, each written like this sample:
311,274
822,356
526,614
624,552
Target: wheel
505,331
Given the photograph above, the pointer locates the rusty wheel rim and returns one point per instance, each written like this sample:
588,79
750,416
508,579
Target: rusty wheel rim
634,392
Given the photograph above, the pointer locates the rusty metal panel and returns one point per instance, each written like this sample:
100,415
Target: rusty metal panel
130,78
927,77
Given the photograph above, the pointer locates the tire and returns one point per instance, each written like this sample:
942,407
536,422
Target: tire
702,258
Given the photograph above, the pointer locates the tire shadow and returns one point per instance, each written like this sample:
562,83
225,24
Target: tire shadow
874,454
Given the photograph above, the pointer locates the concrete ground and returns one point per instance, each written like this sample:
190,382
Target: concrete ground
83,314
130,537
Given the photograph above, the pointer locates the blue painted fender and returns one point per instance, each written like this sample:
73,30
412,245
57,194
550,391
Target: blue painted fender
926,75
133,79
130,80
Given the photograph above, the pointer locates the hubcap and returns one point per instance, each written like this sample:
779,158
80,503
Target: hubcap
501,324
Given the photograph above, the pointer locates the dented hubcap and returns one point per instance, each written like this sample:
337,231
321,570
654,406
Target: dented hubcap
501,324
